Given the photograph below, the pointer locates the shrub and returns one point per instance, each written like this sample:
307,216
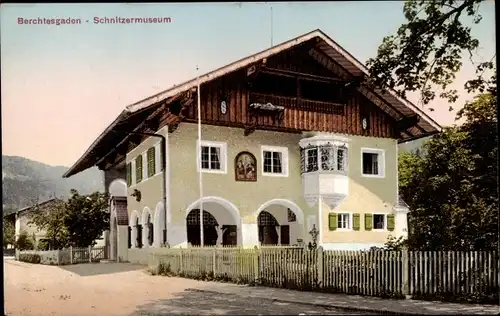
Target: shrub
43,245
24,242
30,257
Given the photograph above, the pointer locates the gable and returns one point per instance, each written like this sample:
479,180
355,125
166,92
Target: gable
326,51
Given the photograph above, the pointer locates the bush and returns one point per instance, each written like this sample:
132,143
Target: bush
24,242
43,245
30,257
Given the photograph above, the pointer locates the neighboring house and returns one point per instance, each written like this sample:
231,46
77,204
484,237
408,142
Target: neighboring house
291,139
22,220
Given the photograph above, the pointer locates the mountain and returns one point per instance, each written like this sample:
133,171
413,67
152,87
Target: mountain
24,181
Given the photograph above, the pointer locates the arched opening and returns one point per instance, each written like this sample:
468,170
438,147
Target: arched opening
138,228
134,230
221,223
280,222
268,229
118,187
210,226
146,228
159,225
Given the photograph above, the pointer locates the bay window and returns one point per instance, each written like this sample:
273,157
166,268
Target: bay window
325,157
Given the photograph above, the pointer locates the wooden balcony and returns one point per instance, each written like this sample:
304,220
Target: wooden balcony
298,103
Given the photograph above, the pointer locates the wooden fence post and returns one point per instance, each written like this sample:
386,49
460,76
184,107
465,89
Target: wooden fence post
180,261
256,271
320,265
406,277
71,254
214,261
90,254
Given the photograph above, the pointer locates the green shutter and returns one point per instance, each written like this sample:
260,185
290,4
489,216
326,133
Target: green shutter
390,222
151,162
355,221
138,169
368,221
129,174
332,221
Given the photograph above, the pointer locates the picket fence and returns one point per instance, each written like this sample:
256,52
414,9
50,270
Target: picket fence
375,273
71,255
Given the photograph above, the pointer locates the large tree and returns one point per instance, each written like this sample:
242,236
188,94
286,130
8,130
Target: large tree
87,217
77,222
50,218
9,232
427,51
451,190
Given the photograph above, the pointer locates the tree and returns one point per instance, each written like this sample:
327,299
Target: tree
452,189
9,233
426,51
50,217
87,217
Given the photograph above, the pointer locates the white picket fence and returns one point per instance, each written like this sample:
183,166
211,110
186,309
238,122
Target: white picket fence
71,255
373,273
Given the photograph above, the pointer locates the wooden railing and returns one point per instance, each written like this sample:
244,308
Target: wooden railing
298,103
374,273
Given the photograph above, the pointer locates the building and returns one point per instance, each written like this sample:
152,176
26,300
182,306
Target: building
292,139
22,220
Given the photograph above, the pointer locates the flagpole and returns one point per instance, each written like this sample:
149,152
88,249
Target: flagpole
200,178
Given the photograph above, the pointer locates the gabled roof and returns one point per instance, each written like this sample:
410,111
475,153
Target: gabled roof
28,208
325,43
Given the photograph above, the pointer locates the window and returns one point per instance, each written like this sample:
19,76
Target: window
321,91
325,158
150,230
372,162
275,161
138,169
129,174
378,221
344,220
275,85
151,161
213,157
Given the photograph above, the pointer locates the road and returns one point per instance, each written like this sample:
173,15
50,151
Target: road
125,289
197,303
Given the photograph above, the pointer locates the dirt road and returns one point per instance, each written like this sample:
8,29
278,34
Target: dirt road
124,289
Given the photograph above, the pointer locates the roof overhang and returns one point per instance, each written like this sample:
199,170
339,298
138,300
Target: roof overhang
425,126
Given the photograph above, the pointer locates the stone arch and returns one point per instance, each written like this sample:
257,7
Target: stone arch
226,215
133,222
147,222
159,224
290,226
118,187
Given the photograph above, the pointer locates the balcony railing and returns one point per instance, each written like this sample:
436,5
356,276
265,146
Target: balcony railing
298,103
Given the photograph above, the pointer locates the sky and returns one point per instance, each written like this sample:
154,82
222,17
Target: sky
63,85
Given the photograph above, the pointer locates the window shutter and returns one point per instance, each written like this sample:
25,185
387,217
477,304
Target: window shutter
390,222
151,162
129,174
368,221
138,169
355,221
332,221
